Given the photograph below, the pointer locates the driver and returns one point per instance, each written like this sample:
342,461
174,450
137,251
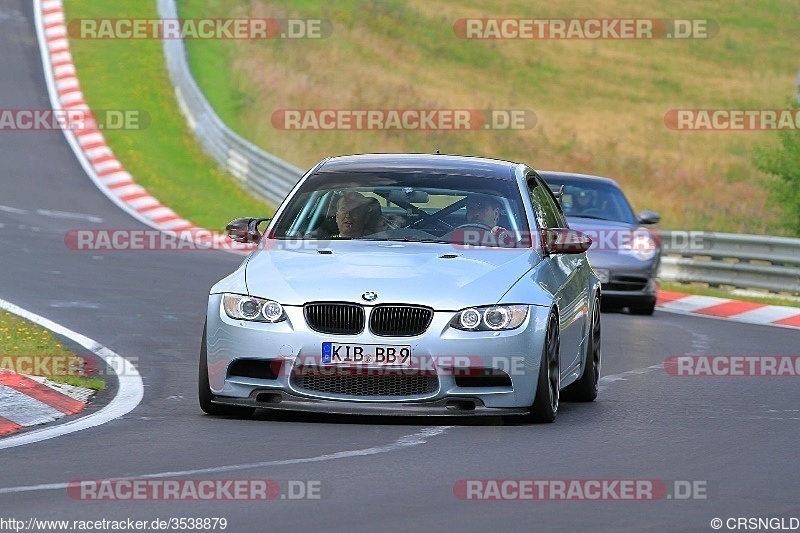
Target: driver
584,201
485,211
357,215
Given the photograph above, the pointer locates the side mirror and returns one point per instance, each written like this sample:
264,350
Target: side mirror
245,230
564,241
648,217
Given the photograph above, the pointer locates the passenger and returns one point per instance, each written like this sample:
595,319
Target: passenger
375,222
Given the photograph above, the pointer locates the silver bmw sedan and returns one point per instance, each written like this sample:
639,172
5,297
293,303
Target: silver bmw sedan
412,284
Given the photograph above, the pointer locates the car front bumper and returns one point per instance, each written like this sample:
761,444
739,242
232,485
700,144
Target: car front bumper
625,281
445,355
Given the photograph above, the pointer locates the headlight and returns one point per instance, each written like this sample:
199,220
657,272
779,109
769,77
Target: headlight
255,309
490,318
641,246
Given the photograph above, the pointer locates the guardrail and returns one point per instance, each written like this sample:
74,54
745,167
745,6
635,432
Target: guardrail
742,261
259,172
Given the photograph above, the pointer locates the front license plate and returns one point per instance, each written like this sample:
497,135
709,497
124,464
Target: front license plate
334,353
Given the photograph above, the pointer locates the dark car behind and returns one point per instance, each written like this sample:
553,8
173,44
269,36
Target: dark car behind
626,253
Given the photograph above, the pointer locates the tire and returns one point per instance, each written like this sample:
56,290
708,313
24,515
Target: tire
545,403
643,309
204,391
585,389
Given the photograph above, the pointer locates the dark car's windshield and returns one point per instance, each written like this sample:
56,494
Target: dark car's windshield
588,199
402,206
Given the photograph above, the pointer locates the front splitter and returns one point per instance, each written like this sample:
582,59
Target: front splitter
282,401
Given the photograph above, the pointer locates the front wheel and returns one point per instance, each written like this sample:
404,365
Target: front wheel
585,389
545,403
204,390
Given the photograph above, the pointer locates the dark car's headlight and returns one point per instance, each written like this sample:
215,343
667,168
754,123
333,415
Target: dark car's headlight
641,246
255,309
490,318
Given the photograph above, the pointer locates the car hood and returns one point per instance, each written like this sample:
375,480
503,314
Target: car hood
435,275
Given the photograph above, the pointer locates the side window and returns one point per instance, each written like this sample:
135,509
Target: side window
547,213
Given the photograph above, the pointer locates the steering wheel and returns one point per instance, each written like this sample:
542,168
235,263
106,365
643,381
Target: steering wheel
592,212
473,225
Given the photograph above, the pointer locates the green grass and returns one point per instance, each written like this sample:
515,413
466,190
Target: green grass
600,104
25,346
164,157
705,290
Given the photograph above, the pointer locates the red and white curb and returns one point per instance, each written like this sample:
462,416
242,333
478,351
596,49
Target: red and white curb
30,401
90,146
735,310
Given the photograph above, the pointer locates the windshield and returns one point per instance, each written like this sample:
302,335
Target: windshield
593,200
402,206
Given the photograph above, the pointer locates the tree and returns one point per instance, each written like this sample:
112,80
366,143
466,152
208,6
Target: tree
783,162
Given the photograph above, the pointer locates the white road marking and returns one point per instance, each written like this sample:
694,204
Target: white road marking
605,381
50,213
74,304
128,395
66,214
406,441
9,209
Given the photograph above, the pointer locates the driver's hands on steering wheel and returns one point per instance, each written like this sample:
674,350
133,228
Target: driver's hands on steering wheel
496,230
503,236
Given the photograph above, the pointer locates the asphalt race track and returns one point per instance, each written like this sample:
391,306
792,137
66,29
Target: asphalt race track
735,437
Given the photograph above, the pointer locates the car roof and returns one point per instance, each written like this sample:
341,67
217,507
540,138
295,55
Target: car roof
574,177
438,163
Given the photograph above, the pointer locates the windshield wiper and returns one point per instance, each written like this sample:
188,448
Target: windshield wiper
412,239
